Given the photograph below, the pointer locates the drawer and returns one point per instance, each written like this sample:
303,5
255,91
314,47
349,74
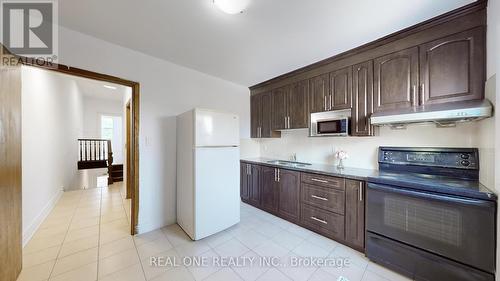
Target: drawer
325,181
332,200
324,222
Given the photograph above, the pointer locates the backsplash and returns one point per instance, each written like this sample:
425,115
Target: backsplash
363,150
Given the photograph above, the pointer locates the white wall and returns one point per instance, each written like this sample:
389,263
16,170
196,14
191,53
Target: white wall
166,90
51,123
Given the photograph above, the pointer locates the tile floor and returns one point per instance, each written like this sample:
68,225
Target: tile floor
86,237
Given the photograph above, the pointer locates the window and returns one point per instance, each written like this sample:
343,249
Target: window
107,127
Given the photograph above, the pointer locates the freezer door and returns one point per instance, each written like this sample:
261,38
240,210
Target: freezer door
216,128
217,189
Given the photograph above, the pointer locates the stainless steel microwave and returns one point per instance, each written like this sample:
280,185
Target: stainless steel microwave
331,123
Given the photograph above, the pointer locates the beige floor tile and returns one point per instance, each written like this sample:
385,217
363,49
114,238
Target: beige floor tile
36,273
76,234
71,247
74,261
117,262
85,273
113,235
116,247
48,232
178,274
148,237
159,264
151,248
43,256
133,273
84,223
37,244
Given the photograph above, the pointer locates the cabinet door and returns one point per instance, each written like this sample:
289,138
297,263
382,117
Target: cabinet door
279,113
452,68
244,182
255,115
297,105
340,89
269,190
362,94
396,80
355,214
289,194
254,185
318,94
266,115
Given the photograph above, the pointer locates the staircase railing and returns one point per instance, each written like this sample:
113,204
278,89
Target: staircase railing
95,153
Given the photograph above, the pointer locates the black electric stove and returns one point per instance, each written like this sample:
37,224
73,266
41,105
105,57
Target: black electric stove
428,216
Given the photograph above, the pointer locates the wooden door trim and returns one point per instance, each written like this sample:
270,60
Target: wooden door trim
135,107
128,137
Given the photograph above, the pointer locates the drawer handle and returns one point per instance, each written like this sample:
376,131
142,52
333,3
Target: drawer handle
318,220
316,180
320,198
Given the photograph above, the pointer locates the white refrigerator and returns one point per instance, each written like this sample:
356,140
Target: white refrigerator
208,181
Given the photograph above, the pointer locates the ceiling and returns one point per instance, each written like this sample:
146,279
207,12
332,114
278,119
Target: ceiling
95,89
270,38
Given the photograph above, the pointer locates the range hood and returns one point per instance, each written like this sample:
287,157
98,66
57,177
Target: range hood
447,114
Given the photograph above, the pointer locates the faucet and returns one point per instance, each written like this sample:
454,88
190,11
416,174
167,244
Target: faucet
294,157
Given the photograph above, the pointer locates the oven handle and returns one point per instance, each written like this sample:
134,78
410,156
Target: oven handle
447,198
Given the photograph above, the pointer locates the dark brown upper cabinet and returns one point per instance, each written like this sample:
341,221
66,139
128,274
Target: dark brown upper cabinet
362,95
340,89
396,80
355,214
260,116
298,113
289,194
279,115
452,68
319,93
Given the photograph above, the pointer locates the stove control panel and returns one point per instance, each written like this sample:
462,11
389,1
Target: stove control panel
459,158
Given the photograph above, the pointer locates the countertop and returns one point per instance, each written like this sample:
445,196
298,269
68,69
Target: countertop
321,169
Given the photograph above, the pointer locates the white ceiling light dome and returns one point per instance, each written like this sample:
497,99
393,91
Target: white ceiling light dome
231,6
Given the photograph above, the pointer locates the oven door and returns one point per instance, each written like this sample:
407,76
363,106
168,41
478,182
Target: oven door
458,228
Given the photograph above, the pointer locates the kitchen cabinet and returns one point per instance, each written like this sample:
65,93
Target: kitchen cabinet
452,68
297,106
260,116
396,80
245,182
279,101
340,89
254,185
362,96
269,189
289,193
355,213
319,92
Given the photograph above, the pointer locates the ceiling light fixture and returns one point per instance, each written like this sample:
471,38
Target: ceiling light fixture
231,6
110,87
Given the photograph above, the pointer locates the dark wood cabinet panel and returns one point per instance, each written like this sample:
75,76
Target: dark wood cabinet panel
452,68
244,181
298,105
396,80
289,194
254,185
325,198
327,223
269,189
319,92
340,89
362,95
266,115
279,98
355,214
255,115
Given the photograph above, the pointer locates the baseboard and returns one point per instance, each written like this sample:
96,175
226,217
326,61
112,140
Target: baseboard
30,231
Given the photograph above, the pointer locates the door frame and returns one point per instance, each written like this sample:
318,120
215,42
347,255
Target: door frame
135,108
128,156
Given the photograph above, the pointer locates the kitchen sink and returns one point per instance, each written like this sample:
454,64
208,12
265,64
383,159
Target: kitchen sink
288,163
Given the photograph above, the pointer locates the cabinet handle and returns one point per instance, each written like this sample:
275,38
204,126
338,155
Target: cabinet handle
414,90
325,104
288,122
278,175
319,220
285,122
321,181
360,192
275,174
319,197
331,102
423,94
260,132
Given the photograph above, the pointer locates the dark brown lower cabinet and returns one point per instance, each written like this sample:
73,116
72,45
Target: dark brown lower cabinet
254,185
289,193
269,190
244,182
355,214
